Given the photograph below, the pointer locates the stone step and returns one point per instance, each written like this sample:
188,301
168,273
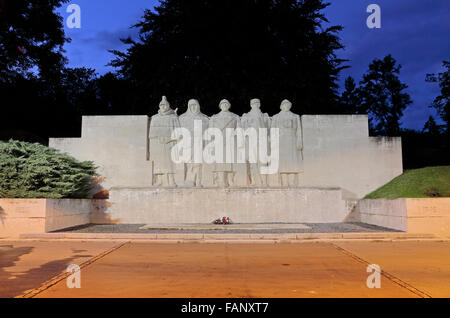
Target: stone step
285,237
218,227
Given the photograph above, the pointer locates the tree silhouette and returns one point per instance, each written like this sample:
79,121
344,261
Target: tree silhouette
31,35
431,127
235,49
383,97
117,95
350,98
442,102
34,100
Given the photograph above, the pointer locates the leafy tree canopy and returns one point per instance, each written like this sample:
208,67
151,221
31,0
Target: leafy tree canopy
237,49
442,102
383,97
31,35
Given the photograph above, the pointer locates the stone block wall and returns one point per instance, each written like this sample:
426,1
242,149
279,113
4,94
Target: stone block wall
421,216
20,216
338,152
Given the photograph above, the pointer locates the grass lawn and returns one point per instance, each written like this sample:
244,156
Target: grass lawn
420,183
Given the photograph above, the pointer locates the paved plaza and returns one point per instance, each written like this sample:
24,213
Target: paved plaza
410,268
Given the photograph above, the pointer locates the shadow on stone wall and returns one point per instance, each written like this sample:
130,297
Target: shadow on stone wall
100,203
98,191
99,212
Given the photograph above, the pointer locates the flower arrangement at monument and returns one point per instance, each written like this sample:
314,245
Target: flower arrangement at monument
223,221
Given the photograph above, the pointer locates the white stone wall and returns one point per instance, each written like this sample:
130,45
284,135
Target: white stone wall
391,214
117,145
184,206
24,216
418,216
338,152
65,213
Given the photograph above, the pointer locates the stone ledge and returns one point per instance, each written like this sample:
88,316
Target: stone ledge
269,238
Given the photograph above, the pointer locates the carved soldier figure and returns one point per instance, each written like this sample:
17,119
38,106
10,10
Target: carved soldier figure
193,117
255,119
224,172
291,144
161,143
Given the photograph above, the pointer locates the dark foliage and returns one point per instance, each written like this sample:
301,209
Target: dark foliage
235,49
442,102
431,127
31,35
350,101
34,109
36,171
382,96
422,149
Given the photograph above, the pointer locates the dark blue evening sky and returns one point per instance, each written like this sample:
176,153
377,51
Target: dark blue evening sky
415,32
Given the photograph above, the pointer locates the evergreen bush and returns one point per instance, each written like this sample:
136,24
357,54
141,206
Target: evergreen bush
36,171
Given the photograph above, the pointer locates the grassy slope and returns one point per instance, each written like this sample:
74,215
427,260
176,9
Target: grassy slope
416,184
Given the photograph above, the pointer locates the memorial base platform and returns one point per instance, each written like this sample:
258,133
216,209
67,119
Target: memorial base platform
204,205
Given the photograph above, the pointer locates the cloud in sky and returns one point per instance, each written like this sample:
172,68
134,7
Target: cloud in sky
415,32
92,50
103,24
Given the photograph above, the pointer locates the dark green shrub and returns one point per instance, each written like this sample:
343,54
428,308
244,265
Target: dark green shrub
36,171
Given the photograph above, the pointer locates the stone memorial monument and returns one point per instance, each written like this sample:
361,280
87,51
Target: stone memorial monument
224,171
291,145
324,164
261,123
161,128
194,119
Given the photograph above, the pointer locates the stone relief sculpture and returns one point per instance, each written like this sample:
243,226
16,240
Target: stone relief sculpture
161,143
224,173
193,171
291,144
255,119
